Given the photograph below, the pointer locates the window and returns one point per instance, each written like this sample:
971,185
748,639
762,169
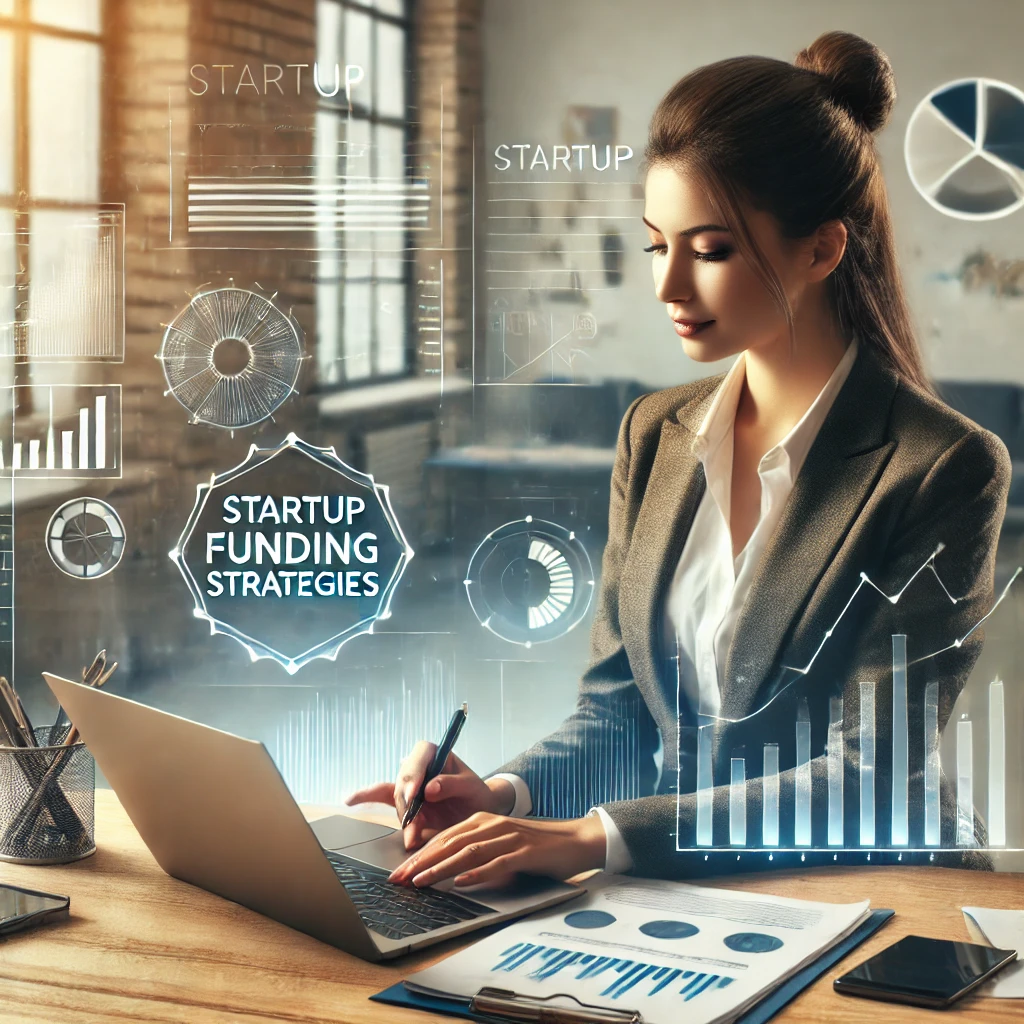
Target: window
50,67
369,212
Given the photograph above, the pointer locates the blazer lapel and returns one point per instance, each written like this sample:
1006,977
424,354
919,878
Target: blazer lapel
674,490
837,477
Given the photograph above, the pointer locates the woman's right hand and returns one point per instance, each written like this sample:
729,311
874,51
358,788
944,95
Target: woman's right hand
449,798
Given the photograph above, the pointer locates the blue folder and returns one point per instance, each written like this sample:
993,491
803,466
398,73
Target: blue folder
399,995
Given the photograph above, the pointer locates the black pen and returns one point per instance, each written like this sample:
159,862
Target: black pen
437,765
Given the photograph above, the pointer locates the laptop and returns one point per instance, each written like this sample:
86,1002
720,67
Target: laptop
214,811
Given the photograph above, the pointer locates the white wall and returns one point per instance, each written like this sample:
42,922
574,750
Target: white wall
541,56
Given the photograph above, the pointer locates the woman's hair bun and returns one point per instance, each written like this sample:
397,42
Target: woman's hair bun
858,74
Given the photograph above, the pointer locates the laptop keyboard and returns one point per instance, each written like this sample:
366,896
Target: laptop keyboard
399,911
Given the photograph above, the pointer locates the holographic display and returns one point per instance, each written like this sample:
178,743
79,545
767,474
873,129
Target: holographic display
530,581
340,281
885,794
85,538
964,148
292,553
231,357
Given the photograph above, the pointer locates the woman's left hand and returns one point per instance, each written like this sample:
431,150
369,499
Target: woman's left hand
492,848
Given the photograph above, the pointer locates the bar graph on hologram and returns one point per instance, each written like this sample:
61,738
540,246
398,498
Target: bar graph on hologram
340,741
867,759
743,776
65,286
73,432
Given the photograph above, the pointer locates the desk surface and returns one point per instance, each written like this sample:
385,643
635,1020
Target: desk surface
143,947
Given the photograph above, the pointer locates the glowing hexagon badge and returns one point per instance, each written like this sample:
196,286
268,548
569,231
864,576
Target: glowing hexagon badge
292,553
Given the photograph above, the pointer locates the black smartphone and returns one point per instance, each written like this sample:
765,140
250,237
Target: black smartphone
24,908
924,972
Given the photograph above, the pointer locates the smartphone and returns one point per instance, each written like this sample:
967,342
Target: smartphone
924,972
25,908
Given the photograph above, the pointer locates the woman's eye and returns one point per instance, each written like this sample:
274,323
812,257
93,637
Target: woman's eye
710,257
713,256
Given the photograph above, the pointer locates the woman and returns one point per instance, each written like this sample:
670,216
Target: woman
746,509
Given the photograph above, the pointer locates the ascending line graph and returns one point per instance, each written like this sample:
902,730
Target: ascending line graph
866,581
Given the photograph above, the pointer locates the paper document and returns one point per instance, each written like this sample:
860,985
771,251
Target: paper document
669,950
1003,929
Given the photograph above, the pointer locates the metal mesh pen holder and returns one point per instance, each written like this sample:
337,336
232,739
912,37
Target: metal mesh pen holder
47,800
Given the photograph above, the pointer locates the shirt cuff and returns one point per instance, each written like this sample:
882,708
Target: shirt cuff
524,802
616,854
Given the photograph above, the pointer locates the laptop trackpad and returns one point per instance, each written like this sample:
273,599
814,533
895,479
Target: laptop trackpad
339,831
376,845
387,852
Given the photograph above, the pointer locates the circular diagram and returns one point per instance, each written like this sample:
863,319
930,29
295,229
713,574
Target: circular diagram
753,942
669,929
231,357
589,919
530,581
964,148
85,538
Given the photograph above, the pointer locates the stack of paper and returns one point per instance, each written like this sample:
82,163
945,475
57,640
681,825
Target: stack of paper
667,950
1003,929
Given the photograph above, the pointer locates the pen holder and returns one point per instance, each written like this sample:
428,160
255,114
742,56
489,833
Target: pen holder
47,801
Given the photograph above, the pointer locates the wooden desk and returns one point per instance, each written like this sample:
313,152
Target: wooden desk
144,947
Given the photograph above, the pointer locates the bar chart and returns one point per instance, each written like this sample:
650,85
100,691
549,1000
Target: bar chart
73,432
875,765
67,299
611,976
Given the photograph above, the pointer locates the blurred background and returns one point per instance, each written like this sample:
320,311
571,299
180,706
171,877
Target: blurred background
435,207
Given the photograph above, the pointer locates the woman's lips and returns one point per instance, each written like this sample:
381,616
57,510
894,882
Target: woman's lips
688,328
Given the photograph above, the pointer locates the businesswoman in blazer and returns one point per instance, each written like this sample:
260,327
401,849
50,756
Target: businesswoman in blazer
748,509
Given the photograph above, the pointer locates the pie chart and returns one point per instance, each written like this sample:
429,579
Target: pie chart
85,538
964,148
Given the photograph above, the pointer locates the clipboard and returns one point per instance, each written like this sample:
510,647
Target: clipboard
506,1006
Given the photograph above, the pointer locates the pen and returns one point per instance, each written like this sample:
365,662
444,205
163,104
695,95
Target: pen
436,766
89,676
16,722
45,787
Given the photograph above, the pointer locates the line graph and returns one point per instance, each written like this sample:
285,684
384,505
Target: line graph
893,599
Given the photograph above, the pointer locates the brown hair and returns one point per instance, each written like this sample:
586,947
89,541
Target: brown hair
795,140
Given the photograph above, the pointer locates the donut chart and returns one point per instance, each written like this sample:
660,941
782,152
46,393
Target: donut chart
530,581
964,149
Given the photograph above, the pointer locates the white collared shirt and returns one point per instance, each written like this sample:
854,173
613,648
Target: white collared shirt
709,586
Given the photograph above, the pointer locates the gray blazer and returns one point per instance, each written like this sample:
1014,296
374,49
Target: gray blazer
892,474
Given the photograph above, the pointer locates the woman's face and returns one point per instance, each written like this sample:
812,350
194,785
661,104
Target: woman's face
718,305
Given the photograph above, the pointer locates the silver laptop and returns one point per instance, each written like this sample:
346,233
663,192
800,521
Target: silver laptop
215,812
